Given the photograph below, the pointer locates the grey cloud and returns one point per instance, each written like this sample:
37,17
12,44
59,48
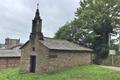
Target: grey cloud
16,16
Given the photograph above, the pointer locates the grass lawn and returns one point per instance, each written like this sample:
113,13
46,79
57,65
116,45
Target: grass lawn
90,72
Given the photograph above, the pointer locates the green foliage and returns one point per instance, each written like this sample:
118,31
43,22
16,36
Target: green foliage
89,72
115,47
93,22
64,32
71,31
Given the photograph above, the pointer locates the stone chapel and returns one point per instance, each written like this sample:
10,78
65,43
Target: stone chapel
42,54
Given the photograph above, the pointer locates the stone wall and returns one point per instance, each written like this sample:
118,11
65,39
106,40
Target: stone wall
108,60
25,58
41,58
9,62
62,59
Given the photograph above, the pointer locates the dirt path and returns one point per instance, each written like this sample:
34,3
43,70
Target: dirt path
111,67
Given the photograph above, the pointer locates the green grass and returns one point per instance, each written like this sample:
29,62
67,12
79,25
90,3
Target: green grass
90,72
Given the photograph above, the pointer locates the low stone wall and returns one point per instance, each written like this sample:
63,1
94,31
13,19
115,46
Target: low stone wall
9,62
108,60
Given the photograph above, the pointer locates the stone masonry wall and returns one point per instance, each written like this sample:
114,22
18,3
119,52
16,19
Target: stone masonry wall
9,62
67,59
41,58
25,58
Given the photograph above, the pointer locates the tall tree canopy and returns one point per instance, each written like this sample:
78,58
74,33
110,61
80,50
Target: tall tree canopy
93,22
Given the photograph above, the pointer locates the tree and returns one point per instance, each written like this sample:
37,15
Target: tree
93,22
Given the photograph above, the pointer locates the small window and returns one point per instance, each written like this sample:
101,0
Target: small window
52,56
33,49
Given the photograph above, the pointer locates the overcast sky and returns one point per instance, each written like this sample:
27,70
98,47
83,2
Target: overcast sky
16,16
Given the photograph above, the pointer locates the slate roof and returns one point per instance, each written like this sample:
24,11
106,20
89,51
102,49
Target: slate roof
9,53
57,44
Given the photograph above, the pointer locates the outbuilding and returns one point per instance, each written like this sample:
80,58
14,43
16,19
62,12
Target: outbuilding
9,58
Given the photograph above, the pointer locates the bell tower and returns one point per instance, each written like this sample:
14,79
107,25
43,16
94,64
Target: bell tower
36,26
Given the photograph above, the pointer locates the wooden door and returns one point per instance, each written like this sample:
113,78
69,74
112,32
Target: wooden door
32,64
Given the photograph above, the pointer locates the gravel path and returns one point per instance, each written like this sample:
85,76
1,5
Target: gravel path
111,67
